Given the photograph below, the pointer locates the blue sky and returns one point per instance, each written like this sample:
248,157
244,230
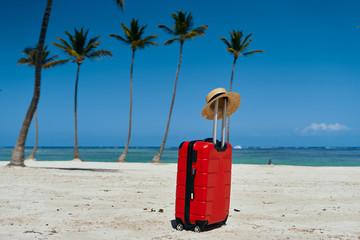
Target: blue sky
302,91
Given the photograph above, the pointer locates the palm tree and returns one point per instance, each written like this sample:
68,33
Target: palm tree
237,47
78,49
17,156
135,39
182,30
47,62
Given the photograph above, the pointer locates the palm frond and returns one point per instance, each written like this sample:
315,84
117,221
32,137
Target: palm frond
93,40
65,43
99,54
31,57
50,59
146,42
71,52
167,29
134,25
252,52
80,47
127,32
71,38
246,39
170,41
244,46
28,50
235,39
233,52
174,16
142,30
189,20
54,63
183,27
119,38
134,35
183,20
200,31
80,40
91,48
236,45
119,3
226,42
59,45
25,61
92,45
151,43
150,38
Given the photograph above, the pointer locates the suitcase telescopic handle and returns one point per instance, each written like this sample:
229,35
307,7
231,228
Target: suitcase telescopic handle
215,120
216,110
223,123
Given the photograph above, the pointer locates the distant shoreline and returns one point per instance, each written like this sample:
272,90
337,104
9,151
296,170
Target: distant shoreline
170,147
293,156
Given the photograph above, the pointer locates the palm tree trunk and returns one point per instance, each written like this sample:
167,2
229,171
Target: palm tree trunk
32,155
76,148
124,153
228,119
17,157
157,157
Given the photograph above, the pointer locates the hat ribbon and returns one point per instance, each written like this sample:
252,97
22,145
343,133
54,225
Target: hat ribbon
215,96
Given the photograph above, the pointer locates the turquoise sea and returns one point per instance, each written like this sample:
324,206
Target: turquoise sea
300,156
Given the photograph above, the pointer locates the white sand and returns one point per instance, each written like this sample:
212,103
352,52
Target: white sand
83,200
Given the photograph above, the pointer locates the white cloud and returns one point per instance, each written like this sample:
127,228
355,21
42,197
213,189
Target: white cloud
323,127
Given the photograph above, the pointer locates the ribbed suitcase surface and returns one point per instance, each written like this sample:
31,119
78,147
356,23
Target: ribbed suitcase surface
203,183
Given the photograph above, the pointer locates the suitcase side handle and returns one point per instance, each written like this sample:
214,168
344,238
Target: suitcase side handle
193,183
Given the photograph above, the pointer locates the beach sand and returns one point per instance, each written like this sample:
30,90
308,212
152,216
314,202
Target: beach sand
88,200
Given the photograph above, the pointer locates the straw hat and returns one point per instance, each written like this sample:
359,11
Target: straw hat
233,103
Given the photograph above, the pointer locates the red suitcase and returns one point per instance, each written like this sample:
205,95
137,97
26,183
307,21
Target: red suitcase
203,181
203,184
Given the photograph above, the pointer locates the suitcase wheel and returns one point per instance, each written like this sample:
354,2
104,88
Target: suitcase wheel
199,228
180,227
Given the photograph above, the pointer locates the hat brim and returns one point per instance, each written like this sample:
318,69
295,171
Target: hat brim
233,103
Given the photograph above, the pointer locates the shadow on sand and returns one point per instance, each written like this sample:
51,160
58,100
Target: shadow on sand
81,169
